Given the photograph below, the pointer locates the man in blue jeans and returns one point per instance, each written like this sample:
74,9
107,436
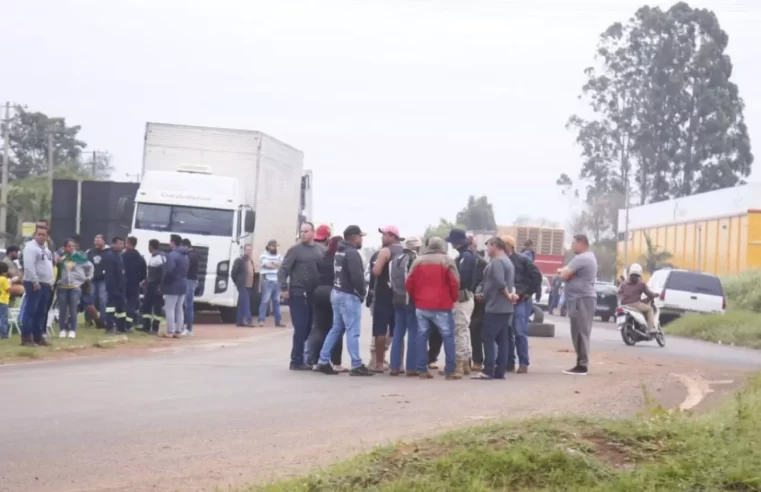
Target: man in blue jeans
38,287
269,262
433,284
192,283
242,275
349,290
404,310
98,289
528,283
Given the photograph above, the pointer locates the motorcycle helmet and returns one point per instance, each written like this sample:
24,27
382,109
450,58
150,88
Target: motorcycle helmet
635,269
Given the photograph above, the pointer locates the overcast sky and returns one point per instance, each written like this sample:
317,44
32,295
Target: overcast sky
402,108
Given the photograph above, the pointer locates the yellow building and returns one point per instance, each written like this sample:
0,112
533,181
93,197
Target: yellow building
717,232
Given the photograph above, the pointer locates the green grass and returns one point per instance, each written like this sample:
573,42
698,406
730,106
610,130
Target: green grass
657,451
11,349
733,328
743,291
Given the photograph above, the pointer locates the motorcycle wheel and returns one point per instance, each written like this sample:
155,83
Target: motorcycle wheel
660,337
627,337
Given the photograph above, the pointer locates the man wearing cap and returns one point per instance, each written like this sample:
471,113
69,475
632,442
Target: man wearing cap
404,310
477,320
269,262
463,308
383,306
528,282
299,276
349,290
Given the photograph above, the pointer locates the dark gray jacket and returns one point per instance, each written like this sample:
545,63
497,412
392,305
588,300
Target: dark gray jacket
299,270
349,271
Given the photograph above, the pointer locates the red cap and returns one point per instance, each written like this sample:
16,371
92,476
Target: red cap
322,233
393,230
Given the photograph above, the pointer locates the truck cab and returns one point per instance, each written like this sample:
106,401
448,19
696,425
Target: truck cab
208,210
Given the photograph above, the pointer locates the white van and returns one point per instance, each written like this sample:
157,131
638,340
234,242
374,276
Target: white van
681,291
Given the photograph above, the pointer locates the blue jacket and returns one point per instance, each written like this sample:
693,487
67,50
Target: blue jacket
134,270
176,272
467,267
113,268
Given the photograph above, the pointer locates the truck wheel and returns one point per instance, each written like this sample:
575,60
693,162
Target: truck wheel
538,315
544,330
228,314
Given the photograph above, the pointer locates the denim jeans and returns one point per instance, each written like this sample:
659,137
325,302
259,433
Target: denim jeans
173,305
3,321
301,317
244,307
68,308
495,334
270,292
100,297
444,321
347,315
406,322
517,339
190,294
35,315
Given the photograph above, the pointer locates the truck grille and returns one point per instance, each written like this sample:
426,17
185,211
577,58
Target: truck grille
203,264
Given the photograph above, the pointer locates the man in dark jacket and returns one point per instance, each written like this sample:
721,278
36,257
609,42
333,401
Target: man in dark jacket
528,283
242,275
463,308
477,320
153,301
98,290
113,267
349,290
175,285
193,259
134,274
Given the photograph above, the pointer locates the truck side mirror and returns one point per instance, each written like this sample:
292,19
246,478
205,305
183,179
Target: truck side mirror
249,222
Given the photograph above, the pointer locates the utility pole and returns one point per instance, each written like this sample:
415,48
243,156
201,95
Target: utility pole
94,164
51,169
4,189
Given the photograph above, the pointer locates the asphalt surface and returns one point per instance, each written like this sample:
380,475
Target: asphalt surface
229,412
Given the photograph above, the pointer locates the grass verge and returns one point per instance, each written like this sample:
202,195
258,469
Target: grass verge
10,349
657,451
741,328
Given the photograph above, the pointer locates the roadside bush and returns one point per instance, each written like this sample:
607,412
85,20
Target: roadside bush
744,291
741,328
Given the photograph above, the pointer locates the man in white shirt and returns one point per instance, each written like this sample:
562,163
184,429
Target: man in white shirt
269,262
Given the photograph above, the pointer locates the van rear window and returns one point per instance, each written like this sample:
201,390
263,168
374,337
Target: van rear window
696,283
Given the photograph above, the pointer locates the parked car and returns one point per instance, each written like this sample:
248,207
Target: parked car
682,291
607,300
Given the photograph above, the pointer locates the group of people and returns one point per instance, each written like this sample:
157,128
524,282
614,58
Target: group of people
104,282
417,293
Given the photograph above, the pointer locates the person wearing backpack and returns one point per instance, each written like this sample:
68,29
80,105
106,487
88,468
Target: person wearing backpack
463,308
404,310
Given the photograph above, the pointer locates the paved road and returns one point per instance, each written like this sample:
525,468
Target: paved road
230,412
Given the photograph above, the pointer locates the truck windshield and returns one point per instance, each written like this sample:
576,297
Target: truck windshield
187,220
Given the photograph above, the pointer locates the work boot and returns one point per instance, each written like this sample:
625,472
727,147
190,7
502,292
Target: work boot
27,341
477,367
458,368
453,377
41,341
522,369
466,368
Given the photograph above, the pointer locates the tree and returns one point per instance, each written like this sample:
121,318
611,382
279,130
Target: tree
668,120
29,137
478,215
654,258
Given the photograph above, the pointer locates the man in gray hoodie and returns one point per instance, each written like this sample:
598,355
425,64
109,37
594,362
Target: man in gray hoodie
38,287
499,297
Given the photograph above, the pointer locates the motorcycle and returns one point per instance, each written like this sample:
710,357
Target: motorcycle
633,326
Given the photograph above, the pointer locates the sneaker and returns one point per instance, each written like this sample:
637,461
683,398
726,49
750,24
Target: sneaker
425,375
300,367
63,334
261,324
453,377
72,334
361,371
184,333
280,325
326,369
340,368
523,370
433,366
577,371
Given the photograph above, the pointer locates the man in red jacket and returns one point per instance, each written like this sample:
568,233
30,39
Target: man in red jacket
433,285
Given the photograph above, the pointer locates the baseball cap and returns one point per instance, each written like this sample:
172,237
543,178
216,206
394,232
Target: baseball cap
393,230
413,242
509,240
322,233
353,230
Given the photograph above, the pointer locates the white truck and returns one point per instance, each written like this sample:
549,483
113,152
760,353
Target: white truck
221,189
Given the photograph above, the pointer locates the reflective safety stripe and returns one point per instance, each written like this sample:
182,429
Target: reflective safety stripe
147,316
110,309
129,320
121,315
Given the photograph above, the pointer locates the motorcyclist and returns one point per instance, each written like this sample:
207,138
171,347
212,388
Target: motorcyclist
630,293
